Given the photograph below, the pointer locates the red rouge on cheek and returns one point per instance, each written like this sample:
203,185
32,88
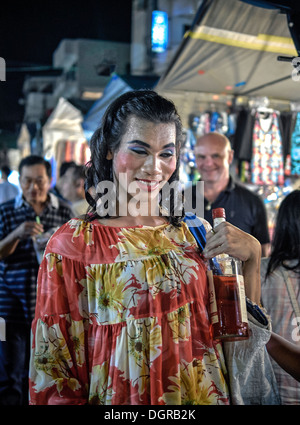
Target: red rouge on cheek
124,162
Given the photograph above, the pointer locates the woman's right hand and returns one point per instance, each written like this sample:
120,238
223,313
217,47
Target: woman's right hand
228,239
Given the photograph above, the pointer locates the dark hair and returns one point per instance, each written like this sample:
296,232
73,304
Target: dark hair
30,160
5,170
286,240
65,166
144,104
78,172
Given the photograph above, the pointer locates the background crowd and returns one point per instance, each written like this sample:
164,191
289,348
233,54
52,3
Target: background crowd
32,212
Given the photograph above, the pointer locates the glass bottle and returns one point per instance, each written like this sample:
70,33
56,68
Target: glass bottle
228,311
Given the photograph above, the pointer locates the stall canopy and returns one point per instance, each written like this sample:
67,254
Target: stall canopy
232,49
64,124
116,86
92,119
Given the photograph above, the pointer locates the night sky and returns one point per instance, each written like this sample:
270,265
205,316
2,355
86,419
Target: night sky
30,31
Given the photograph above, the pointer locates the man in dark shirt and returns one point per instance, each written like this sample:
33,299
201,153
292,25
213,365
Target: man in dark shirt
244,209
33,213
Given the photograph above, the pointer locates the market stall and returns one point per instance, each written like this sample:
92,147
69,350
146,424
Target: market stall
116,86
235,73
63,136
92,119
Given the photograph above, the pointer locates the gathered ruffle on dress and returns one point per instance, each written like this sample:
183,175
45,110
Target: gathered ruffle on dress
122,318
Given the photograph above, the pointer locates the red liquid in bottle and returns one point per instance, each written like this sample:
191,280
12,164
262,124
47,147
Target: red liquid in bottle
229,319
228,311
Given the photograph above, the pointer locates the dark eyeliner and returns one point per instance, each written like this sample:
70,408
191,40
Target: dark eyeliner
138,150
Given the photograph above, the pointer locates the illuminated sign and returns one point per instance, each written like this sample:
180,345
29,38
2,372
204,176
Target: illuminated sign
159,31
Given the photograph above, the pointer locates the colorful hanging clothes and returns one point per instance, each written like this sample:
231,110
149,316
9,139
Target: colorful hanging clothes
267,157
121,318
295,148
217,122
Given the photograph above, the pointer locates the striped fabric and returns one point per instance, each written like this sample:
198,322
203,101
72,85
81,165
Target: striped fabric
276,300
18,272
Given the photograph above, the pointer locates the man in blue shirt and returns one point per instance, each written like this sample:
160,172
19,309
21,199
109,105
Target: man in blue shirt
7,190
34,212
244,209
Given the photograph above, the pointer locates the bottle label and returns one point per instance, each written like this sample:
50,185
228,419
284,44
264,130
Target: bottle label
213,309
240,281
218,220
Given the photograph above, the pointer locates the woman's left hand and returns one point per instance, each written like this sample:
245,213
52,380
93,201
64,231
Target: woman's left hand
228,239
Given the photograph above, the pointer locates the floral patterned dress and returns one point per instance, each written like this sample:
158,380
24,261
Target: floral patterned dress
121,318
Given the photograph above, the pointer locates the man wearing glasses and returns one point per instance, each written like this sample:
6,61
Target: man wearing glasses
34,213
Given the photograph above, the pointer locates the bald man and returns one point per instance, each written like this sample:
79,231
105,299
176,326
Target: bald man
244,209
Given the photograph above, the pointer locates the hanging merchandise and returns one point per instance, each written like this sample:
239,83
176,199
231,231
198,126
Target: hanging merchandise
267,157
231,124
212,120
187,159
216,122
287,165
222,121
295,148
66,151
200,123
243,135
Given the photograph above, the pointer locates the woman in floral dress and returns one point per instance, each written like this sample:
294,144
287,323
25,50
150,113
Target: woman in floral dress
122,304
